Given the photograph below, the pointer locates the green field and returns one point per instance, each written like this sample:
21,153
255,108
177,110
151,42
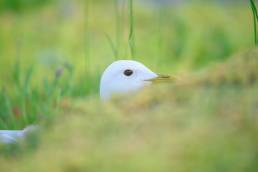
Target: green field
53,54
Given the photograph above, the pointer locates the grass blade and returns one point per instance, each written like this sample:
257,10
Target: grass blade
131,39
255,19
113,47
118,27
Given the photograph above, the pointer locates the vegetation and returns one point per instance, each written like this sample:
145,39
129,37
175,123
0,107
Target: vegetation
55,52
255,18
208,123
51,62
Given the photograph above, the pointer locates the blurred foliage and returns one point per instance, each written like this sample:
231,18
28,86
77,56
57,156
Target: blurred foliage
20,5
76,40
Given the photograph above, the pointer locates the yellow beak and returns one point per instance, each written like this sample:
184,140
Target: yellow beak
162,78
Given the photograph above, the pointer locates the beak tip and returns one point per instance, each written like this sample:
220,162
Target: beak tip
162,78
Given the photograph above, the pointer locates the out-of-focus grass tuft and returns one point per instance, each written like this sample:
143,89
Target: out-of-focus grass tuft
207,122
22,104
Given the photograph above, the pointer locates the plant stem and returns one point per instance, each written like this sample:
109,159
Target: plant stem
131,40
255,19
113,47
118,30
86,36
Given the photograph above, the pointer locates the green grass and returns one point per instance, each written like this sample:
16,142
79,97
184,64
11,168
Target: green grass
131,37
205,122
255,18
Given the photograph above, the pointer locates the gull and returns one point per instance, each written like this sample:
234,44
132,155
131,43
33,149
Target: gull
12,136
122,77
125,77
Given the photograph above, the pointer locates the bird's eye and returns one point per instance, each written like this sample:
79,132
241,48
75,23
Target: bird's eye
128,72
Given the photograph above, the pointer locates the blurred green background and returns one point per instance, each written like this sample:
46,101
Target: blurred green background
53,52
51,49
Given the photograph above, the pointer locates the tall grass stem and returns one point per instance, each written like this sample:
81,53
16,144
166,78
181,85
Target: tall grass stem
113,47
131,39
87,36
255,19
118,28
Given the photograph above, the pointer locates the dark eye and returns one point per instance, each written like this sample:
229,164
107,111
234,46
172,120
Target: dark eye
128,72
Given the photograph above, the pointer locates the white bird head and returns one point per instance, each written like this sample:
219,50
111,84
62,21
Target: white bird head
126,76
